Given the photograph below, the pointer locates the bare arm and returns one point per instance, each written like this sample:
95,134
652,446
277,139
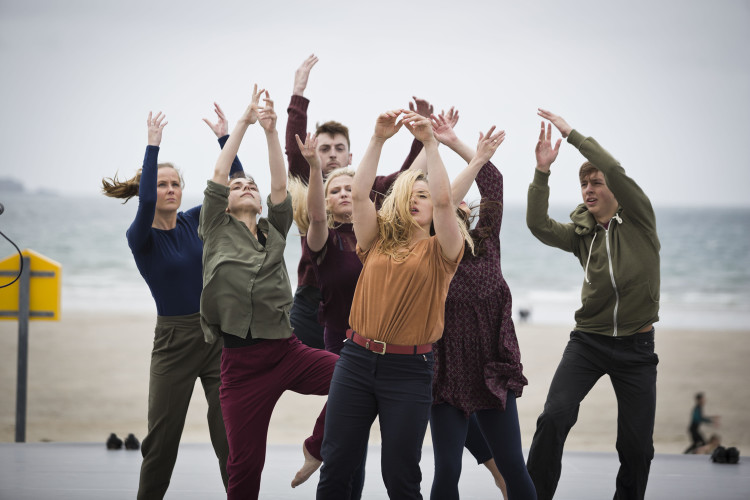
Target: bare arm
364,214
317,232
267,120
488,144
443,212
224,163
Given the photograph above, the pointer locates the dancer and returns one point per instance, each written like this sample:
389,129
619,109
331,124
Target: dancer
333,152
246,301
478,370
386,366
167,252
613,235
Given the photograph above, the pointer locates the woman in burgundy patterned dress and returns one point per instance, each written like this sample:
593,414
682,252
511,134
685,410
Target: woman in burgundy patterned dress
478,369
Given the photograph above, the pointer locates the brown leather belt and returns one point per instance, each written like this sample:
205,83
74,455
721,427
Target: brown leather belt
380,347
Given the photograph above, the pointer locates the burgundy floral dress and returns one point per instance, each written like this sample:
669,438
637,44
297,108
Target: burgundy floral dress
478,359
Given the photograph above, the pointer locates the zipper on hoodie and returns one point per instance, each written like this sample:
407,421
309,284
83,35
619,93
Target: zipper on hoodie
612,274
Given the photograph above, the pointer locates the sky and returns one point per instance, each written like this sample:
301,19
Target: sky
664,86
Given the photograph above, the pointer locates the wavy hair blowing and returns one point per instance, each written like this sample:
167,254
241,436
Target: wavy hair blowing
395,220
115,188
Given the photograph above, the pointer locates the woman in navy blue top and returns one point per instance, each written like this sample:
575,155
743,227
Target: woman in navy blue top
168,254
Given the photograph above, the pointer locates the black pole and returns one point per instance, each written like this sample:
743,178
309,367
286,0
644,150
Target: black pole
24,288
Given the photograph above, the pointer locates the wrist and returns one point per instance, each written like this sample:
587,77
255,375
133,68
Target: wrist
300,91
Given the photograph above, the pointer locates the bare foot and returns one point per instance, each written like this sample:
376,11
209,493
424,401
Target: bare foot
311,465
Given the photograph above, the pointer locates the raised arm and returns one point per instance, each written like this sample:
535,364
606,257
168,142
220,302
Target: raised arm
221,129
364,214
628,193
546,230
486,147
224,163
317,232
296,123
443,211
267,119
140,229
415,159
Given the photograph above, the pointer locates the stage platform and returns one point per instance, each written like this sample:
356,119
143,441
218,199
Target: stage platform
88,471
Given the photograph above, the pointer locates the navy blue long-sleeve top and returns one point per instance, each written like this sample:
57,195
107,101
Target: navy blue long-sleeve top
169,260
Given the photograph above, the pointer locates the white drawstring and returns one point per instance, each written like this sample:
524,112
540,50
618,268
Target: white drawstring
586,270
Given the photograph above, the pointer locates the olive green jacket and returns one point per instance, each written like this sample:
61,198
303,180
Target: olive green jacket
620,293
245,284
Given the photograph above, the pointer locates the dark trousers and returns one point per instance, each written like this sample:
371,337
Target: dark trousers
475,442
253,379
630,363
397,388
179,357
501,431
304,317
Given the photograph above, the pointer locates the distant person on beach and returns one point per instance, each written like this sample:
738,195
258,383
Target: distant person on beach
410,250
478,372
168,254
245,306
334,152
613,235
696,419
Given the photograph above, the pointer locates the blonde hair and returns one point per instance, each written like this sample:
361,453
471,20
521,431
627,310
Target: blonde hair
395,221
298,189
332,175
115,188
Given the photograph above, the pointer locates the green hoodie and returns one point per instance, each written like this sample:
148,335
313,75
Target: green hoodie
620,293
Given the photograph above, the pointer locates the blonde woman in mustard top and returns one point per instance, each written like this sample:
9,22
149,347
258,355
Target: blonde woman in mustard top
410,250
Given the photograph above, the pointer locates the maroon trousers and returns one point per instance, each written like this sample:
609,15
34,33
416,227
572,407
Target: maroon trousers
253,379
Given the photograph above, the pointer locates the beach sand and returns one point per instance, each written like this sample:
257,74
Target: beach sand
88,377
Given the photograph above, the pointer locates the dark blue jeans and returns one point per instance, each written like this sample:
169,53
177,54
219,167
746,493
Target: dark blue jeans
397,388
501,432
304,317
630,363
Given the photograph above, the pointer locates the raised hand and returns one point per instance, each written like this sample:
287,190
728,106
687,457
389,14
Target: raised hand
442,126
302,74
309,150
221,127
421,106
250,115
155,126
420,126
556,120
388,124
267,115
545,153
488,144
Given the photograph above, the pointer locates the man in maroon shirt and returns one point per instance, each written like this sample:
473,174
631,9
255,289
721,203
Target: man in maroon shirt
333,152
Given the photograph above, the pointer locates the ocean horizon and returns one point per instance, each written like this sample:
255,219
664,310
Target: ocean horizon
705,260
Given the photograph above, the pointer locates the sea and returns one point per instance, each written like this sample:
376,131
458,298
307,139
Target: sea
705,260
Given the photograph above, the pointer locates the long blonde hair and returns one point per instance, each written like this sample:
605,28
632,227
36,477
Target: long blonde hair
298,189
115,188
395,221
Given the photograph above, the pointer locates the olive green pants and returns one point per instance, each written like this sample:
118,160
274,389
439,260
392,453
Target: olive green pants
180,356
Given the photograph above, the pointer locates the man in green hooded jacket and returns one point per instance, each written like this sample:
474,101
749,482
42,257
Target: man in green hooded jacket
613,235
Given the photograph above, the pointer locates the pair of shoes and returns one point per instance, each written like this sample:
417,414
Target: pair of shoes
131,442
114,443
723,455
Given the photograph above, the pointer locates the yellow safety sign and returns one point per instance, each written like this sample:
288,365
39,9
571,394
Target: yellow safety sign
45,284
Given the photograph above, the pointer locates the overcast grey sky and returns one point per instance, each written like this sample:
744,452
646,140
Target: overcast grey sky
663,85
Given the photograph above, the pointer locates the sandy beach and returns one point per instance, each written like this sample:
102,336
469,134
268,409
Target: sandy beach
88,377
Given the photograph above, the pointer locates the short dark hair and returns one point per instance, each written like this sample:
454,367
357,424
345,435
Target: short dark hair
332,128
586,170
